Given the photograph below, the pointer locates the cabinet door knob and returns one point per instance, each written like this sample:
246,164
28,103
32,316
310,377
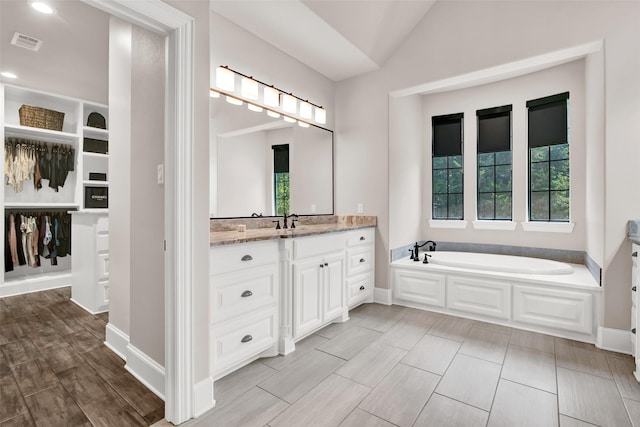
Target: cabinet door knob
634,289
633,331
326,264
362,288
362,238
635,254
361,259
321,265
246,294
246,338
247,258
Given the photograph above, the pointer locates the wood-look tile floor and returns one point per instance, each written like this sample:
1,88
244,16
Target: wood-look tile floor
56,371
396,366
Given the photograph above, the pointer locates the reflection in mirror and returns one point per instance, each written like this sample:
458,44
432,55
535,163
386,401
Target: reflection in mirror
266,166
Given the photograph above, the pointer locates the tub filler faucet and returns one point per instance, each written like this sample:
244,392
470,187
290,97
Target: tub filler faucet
414,253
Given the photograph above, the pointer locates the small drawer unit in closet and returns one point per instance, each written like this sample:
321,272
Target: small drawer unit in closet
635,315
360,265
90,267
244,291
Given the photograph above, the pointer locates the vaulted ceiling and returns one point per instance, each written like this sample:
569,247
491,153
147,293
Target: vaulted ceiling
338,38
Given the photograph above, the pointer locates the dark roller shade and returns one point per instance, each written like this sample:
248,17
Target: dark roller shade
280,158
447,135
494,129
548,120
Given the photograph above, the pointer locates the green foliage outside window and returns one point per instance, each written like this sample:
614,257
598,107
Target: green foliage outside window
549,183
447,187
282,193
494,186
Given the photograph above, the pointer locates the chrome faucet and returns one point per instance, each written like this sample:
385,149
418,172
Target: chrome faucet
285,217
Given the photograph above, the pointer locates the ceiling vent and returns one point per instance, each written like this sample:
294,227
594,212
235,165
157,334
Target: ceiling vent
25,41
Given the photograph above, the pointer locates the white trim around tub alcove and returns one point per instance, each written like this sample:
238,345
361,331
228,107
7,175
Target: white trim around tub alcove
178,27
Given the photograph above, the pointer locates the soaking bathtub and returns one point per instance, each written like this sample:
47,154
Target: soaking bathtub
540,295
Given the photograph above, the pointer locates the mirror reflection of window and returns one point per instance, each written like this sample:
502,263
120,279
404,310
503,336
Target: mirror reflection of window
281,182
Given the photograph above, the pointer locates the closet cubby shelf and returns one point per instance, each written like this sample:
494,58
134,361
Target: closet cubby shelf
96,183
96,155
40,134
41,205
95,132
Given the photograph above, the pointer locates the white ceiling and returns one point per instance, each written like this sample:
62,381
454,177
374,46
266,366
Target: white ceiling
338,38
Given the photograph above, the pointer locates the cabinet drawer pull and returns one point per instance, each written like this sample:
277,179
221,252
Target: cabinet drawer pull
326,264
246,294
246,338
362,288
634,289
361,259
247,258
633,331
635,254
321,265
362,238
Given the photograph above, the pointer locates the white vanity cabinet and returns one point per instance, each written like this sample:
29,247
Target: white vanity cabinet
635,322
318,281
360,266
244,285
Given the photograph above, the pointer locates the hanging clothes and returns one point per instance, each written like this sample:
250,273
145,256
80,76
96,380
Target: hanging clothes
8,261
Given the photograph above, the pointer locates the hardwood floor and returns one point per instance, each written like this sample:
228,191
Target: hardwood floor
56,371
393,366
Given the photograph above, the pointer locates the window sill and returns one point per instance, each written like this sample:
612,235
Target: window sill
456,224
494,225
549,227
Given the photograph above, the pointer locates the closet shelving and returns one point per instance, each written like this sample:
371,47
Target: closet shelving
70,197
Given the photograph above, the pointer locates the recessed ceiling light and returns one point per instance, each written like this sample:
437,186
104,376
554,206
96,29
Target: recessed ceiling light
42,7
9,75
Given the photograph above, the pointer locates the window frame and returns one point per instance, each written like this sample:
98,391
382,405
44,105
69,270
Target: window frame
485,114
548,102
443,120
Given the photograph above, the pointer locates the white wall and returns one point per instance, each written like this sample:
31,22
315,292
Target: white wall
147,196
243,175
119,174
311,173
515,92
461,37
74,57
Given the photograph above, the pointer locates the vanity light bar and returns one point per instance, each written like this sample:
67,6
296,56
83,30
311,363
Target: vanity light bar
272,95
236,100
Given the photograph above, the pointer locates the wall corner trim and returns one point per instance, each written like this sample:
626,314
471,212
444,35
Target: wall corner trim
146,370
614,340
382,296
117,341
203,400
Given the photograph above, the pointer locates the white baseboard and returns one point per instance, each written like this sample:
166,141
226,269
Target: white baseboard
117,341
146,370
614,340
101,309
203,400
382,296
37,283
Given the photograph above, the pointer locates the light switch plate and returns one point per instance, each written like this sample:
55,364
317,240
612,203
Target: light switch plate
360,208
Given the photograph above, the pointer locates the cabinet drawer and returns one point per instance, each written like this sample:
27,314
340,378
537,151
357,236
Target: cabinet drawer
360,260
234,294
359,289
227,258
572,311
241,339
313,246
102,261
102,225
635,249
102,243
361,236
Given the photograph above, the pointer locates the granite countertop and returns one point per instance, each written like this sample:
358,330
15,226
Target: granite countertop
336,223
634,231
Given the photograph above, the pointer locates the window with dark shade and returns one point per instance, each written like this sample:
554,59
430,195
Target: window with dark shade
548,133
494,163
447,175
281,184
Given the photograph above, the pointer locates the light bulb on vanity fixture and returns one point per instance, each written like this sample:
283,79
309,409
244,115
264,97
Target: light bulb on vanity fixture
225,79
275,101
214,93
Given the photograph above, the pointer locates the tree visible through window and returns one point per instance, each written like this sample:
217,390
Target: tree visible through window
447,183
549,159
494,163
281,184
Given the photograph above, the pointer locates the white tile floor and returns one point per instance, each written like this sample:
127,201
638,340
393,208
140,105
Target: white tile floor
396,366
